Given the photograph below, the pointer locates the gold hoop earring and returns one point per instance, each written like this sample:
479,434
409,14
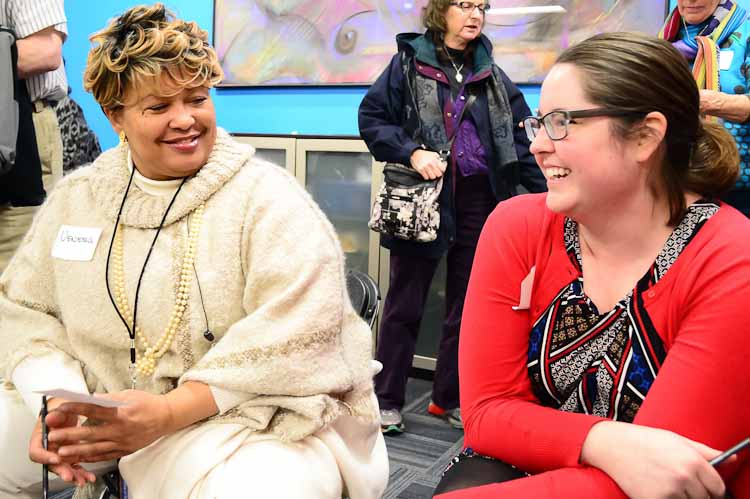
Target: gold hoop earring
123,137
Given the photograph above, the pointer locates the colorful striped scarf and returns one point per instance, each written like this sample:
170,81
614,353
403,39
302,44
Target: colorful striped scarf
704,48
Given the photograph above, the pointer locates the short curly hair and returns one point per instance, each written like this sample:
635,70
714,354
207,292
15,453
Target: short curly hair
141,43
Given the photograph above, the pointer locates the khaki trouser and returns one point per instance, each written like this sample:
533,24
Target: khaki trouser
16,220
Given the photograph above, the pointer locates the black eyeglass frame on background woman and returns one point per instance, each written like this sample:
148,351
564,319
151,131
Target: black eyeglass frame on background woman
558,130
468,7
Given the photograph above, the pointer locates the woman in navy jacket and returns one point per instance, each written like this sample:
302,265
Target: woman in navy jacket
406,116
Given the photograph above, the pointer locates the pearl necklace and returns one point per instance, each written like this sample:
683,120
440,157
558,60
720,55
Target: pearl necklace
146,362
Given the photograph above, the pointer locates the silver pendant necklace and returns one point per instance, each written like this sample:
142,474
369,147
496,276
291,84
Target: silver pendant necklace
459,76
687,33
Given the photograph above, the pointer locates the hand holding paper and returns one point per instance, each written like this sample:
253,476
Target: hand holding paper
43,451
83,398
118,424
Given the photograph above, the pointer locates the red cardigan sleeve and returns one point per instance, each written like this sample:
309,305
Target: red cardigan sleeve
502,416
701,390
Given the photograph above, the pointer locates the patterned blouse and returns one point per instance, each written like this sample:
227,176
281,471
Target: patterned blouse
604,364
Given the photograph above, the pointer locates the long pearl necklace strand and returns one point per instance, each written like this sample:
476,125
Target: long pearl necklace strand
146,362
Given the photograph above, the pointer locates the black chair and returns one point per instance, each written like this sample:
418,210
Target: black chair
364,295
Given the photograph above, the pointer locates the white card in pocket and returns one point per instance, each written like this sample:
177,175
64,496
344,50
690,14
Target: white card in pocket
76,243
725,59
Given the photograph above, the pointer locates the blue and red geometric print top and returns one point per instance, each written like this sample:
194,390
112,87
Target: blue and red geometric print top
580,360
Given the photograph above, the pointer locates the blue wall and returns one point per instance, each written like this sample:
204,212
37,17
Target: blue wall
307,111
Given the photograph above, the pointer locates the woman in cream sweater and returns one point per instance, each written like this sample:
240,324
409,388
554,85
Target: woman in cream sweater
197,284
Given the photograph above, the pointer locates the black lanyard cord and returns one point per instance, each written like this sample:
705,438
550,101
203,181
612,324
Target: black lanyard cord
106,271
207,333
131,331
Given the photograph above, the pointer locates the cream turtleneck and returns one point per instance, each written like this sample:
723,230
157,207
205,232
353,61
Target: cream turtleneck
151,186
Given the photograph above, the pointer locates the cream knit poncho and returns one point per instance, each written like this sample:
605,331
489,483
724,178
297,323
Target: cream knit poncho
272,275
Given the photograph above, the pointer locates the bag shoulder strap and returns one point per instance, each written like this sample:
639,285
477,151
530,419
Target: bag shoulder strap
469,102
8,103
407,65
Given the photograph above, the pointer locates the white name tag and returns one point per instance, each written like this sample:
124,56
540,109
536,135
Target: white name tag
725,59
76,243
524,299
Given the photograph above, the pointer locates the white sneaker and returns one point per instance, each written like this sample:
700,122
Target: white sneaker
391,421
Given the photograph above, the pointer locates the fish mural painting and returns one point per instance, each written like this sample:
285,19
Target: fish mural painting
334,42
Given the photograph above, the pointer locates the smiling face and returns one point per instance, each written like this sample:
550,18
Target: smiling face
590,170
463,27
696,11
170,130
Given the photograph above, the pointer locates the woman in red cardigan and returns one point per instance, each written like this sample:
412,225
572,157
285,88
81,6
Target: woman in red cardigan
604,345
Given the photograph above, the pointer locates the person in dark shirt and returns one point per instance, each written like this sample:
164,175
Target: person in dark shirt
435,73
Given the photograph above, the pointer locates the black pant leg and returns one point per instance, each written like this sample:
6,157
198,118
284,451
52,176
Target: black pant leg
475,471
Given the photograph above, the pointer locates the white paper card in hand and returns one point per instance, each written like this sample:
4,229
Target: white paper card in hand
84,398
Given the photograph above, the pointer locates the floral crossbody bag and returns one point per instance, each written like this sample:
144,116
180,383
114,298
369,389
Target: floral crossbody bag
407,205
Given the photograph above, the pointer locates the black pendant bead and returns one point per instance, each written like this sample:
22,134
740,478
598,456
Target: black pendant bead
208,335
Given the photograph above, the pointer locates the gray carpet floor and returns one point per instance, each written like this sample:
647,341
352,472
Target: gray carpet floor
417,456
420,454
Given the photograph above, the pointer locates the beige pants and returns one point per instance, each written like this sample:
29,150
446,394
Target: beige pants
15,221
217,461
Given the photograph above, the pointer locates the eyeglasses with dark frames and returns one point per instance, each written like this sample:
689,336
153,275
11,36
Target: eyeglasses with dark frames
556,122
468,7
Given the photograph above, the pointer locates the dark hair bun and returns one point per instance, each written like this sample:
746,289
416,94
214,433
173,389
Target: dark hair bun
715,163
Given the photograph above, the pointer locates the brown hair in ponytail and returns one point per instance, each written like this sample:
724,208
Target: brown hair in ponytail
642,73
715,165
